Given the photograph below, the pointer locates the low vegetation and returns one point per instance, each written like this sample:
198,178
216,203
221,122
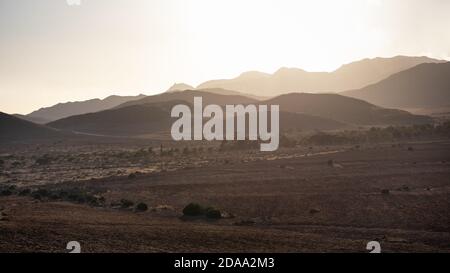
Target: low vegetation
197,210
141,207
125,203
193,209
377,135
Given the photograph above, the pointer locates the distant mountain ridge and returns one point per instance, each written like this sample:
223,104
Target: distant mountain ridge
133,120
220,91
16,129
287,80
188,95
423,86
63,110
37,120
180,87
297,111
344,109
152,118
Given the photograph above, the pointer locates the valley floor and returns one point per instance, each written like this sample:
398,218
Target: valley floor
398,195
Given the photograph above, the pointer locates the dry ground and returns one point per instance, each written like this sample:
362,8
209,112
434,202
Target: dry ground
272,198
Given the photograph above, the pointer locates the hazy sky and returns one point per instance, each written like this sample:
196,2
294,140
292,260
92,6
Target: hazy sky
51,52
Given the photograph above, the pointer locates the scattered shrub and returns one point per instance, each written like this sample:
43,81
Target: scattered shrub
63,194
193,209
24,192
16,164
36,196
53,197
125,204
132,176
6,193
43,192
213,213
141,207
385,191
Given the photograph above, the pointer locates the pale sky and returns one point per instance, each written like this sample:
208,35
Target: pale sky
51,52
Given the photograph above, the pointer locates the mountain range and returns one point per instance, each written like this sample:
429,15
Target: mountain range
16,129
423,83
151,114
423,86
348,77
261,86
68,109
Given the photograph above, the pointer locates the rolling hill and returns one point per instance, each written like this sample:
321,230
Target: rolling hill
133,120
37,120
298,111
287,80
344,109
188,96
423,86
63,110
16,129
151,118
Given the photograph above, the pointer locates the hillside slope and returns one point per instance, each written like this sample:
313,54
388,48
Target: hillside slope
424,86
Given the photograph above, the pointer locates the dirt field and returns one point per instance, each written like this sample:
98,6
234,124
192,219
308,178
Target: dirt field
295,200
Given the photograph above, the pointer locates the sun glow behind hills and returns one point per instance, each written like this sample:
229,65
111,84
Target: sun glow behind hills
52,53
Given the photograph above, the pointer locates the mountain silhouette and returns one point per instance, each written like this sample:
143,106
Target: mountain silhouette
180,87
37,120
287,80
16,129
63,110
152,118
423,86
344,109
152,114
133,120
188,96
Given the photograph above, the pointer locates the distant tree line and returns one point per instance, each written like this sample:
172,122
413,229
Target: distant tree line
376,134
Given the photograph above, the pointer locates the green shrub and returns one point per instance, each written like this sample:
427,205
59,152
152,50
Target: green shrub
36,196
141,207
24,192
6,193
63,194
213,213
53,197
16,164
124,203
43,192
193,209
